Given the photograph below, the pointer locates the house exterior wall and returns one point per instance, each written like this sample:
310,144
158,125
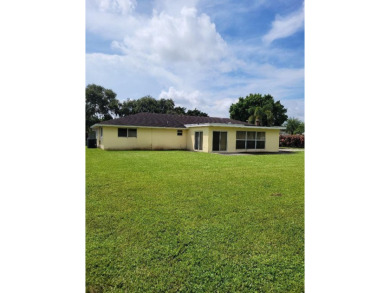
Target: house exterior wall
191,139
99,138
271,139
147,139
167,139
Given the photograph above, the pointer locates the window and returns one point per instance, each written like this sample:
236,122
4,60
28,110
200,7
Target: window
250,140
132,133
101,131
198,145
260,140
180,132
124,132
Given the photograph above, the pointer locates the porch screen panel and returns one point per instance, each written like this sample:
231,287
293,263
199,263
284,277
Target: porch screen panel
246,140
240,144
260,140
240,140
250,139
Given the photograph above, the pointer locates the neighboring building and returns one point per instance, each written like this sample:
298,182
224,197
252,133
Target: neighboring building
150,131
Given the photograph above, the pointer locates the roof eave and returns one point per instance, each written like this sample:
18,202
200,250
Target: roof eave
132,126
231,125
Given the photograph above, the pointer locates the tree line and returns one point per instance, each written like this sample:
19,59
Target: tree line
102,104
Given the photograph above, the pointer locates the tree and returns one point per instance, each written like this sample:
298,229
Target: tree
262,115
196,112
256,114
166,106
100,104
151,105
259,107
127,107
147,104
300,129
295,126
177,111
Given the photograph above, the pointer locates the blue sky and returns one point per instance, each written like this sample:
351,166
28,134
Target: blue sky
202,54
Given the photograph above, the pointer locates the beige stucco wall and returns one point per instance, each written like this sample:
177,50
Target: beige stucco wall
99,140
163,138
147,138
271,139
191,138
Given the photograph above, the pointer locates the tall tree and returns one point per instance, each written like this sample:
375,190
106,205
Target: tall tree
151,105
177,111
196,112
256,114
261,107
166,105
300,129
295,126
147,104
127,107
100,104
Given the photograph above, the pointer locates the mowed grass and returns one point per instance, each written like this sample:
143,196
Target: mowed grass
168,221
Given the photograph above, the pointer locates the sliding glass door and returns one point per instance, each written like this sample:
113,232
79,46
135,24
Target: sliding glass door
219,141
198,145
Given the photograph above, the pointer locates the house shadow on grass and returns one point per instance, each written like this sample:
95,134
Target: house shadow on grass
281,152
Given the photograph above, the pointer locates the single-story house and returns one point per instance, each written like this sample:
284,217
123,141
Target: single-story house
150,131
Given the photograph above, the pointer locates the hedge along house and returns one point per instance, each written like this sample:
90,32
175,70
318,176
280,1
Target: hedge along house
150,131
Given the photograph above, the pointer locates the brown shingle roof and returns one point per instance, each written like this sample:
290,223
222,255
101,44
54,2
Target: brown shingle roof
166,120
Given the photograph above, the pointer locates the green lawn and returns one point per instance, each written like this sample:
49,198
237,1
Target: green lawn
167,221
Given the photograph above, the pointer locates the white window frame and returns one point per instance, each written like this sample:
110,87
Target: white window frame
200,142
127,132
255,140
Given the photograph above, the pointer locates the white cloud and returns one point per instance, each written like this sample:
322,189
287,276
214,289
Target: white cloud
173,7
190,100
115,6
177,53
110,26
188,37
220,107
210,92
129,77
283,27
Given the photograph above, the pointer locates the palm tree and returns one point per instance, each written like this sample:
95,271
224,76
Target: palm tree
270,118
256,114
263,115
292,124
